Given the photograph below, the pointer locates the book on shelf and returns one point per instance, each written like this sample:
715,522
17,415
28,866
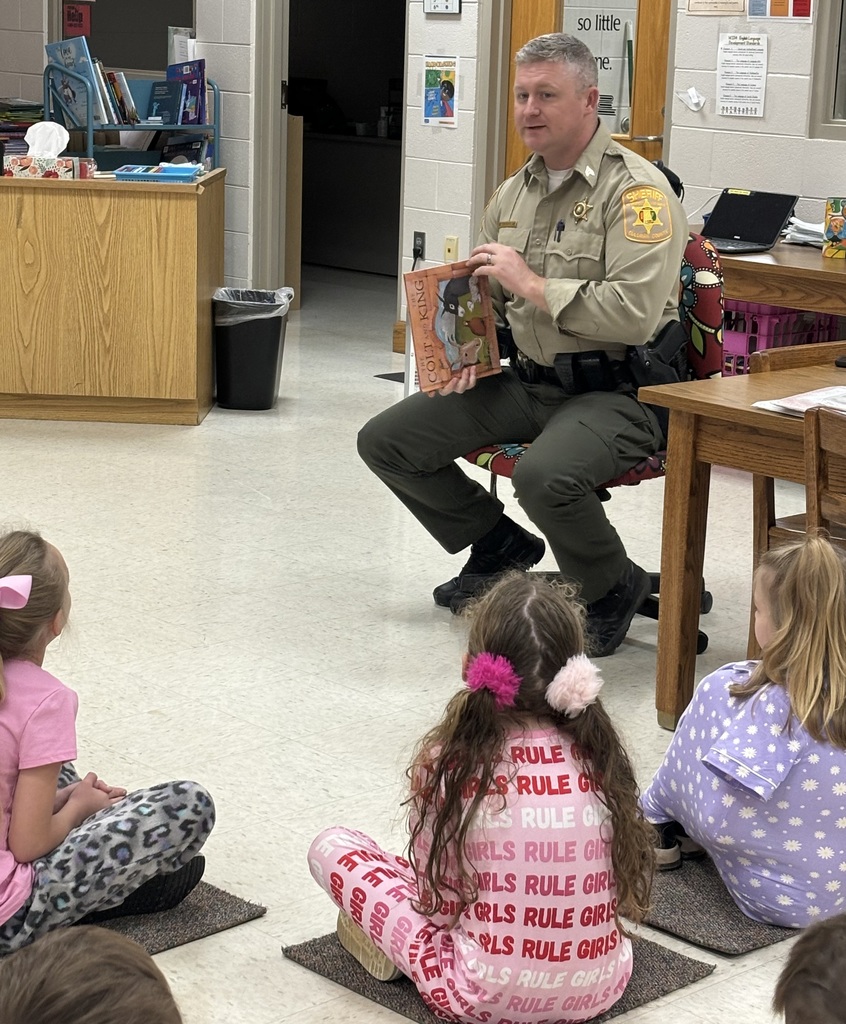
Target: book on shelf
166,99
798,405
452,324
74,55
107,101
193,74
122,86
185,149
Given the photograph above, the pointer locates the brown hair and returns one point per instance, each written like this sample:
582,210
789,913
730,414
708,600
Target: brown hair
805,584
811,988
84,975
25,553
537,626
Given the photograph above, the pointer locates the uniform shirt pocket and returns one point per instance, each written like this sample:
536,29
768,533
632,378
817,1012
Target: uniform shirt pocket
516,238
578,254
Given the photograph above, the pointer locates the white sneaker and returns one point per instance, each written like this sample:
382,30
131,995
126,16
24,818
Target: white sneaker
368,954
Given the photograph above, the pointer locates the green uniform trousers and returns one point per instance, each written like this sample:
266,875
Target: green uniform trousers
578,443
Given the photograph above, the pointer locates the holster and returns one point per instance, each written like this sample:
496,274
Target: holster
661,361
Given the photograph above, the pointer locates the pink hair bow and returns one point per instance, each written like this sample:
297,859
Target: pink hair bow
495,673
574,686
14,591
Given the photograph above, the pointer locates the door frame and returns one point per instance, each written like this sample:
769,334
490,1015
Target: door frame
270,144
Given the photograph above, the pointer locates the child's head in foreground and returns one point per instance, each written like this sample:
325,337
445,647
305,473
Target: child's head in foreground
811,988
84,975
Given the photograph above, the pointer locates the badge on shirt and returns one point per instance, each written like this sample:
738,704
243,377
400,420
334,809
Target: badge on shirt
646,215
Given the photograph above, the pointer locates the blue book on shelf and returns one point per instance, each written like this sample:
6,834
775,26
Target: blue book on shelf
193,74
73,54
166,100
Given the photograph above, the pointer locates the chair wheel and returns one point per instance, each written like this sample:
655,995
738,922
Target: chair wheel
701,642
706,603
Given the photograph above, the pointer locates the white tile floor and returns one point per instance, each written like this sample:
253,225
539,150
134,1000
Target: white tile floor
253,609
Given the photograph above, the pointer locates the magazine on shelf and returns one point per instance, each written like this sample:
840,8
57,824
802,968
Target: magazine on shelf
73,54
193,74
452,323
798,405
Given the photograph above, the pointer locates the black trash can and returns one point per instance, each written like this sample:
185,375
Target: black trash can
249,338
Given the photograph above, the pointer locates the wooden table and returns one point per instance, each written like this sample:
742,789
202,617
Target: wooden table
713,422
797,276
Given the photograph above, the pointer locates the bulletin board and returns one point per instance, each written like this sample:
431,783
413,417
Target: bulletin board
132,34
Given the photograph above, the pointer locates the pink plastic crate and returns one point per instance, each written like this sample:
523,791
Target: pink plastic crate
750,326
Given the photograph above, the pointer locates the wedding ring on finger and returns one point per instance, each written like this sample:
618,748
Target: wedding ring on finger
490,260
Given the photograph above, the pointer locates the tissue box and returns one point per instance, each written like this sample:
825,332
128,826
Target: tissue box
48,167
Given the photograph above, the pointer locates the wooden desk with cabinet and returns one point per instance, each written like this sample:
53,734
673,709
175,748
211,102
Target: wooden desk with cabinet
106,293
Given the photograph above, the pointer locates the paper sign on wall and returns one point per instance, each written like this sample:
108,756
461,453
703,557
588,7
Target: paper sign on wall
440,91
76,20
741,75
716,6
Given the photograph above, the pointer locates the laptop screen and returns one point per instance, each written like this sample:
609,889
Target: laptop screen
749,216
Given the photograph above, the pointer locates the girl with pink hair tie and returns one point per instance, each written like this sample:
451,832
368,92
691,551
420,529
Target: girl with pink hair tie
527,845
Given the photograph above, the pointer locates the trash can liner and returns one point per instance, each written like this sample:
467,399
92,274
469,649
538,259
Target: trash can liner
240,305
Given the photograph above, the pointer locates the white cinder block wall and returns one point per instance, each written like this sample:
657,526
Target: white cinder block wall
224,38
773,153
438,171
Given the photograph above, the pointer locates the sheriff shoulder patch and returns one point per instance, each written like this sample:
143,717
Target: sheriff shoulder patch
646,214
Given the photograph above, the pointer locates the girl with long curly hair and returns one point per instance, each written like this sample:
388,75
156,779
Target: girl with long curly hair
526,846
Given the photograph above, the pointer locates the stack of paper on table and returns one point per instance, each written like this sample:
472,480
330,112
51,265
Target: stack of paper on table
798,405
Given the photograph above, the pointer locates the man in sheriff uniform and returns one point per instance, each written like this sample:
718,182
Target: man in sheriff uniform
583,247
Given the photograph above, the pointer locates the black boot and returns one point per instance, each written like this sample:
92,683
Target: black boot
506,546
161,892
609,618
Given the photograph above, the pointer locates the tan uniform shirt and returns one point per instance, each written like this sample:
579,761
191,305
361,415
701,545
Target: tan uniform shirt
609,242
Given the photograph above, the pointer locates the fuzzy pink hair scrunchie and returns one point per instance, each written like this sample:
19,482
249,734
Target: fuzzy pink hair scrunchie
495,673
574,686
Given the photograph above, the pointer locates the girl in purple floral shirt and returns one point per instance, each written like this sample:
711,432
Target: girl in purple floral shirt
756,771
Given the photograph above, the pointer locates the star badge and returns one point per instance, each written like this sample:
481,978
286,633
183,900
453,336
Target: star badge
581,210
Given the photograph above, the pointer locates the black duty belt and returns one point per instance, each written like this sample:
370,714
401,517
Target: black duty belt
576,372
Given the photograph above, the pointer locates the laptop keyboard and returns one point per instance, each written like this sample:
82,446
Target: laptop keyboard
737,245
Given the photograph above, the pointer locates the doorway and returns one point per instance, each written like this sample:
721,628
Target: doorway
347,85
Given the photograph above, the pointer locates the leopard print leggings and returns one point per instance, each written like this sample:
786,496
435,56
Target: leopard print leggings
150,832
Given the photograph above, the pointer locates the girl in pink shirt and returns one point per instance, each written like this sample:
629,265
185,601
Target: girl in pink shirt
72,848
527,845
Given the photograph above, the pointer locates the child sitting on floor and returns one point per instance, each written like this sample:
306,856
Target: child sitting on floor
70,847
756,771
84,976
526,844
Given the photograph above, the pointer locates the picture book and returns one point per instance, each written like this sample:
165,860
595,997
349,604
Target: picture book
73,54
452,323
193,74
166,100
108,106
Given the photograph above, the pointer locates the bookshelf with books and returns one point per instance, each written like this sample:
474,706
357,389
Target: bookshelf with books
72,96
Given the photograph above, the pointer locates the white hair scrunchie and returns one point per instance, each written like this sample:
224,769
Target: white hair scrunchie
574,686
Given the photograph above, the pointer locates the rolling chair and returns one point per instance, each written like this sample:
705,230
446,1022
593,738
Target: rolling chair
701,314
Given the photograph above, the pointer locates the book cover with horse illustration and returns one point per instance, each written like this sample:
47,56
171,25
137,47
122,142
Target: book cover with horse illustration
452,323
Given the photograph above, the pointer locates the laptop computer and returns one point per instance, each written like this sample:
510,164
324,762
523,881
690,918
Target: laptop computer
743,221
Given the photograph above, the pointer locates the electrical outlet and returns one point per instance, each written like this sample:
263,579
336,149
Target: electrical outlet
418,245
450,248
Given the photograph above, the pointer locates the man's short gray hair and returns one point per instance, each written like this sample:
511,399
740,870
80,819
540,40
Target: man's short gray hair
563,49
